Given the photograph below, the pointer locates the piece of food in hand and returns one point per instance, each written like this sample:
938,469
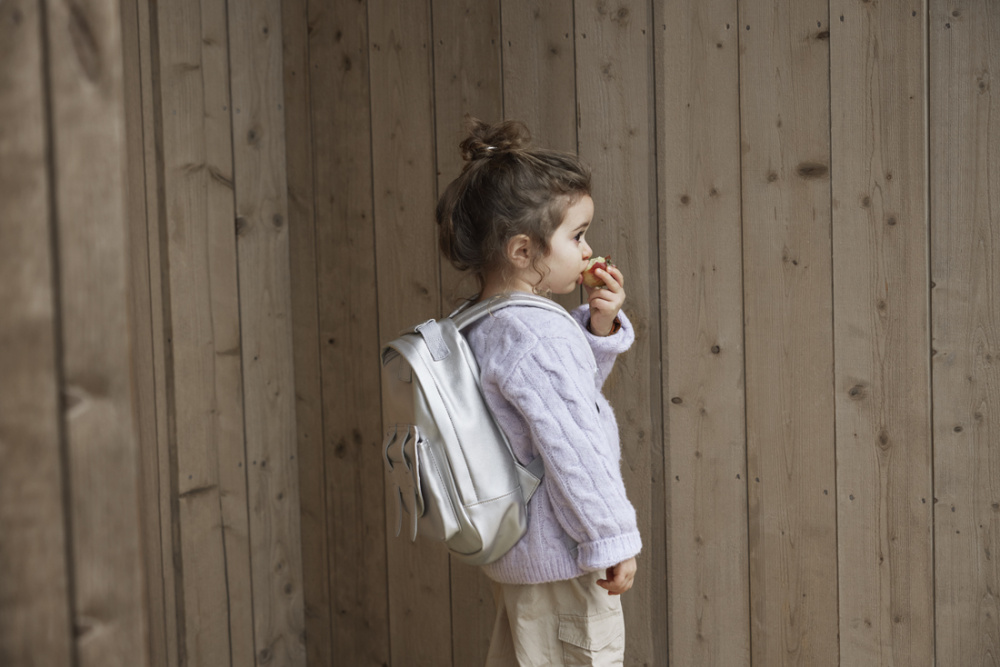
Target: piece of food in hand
590,278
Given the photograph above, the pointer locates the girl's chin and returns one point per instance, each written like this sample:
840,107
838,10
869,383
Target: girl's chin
568,289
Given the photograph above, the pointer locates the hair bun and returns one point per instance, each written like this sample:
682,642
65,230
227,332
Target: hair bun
487,140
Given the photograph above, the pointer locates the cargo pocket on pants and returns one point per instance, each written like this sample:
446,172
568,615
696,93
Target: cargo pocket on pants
593,640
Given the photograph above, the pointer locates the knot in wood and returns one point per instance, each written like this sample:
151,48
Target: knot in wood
883,440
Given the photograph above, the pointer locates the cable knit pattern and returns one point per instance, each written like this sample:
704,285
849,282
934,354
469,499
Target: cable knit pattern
541,383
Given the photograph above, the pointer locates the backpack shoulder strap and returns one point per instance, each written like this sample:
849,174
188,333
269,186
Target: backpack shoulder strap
471,312
467,314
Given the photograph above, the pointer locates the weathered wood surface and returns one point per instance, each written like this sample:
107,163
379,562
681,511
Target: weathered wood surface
965,323
310,453
539,69
141,303
87,117
36,618
881,333
150,338
208,500
788,319
345,242
701,296
265,343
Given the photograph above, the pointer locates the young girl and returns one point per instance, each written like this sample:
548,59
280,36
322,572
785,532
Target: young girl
516,218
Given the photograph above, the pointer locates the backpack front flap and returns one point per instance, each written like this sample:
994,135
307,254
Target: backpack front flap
445,454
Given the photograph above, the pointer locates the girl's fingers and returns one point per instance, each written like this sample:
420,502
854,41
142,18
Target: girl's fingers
611,281
617,275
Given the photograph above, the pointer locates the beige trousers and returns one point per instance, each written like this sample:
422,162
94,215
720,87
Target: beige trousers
573,622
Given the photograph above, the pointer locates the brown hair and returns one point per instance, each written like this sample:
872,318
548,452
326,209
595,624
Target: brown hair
506,188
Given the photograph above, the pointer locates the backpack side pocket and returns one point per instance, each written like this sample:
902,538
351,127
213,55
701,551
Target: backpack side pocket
440,519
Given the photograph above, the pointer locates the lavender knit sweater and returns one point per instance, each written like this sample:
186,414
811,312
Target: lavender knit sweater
540,381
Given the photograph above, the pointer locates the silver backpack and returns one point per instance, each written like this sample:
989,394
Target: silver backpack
452,467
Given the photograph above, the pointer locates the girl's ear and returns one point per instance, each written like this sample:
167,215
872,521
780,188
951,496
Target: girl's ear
519,251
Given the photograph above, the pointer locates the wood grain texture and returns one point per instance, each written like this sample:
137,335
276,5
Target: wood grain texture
163,457
539,69
467,81
408,282
539,78
88,139
311,455
255,56
228,327
202,320
614,45
35,595
144,386
965,270
881,334
784,98
349,335
701,297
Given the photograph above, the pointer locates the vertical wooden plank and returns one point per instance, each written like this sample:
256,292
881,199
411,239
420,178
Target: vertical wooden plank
784,97
35,598
255,58
404,179
306,332
162,480
228,312
467,80
539,77
965,269
349,335
879,181
88,121
144,377
539,69
203,332
701,301
615,95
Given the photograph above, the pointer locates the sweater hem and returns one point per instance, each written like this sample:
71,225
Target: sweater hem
535,572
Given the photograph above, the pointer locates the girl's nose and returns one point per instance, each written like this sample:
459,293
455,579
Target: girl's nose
588,252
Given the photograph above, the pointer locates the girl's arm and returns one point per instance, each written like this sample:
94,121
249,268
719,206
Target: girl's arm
606,348
552,387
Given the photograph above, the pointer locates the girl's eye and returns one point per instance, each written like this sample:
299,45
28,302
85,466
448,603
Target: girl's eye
579,236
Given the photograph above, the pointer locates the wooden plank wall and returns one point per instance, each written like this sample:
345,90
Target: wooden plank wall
211,302
239,198
71,553
965,293
783,183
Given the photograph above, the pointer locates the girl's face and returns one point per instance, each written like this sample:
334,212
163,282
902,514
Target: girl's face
569,252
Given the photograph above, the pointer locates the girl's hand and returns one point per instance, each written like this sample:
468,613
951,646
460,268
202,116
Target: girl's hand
605,302
619,578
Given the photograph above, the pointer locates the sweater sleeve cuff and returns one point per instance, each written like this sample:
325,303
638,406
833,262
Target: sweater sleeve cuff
595,556
612,345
